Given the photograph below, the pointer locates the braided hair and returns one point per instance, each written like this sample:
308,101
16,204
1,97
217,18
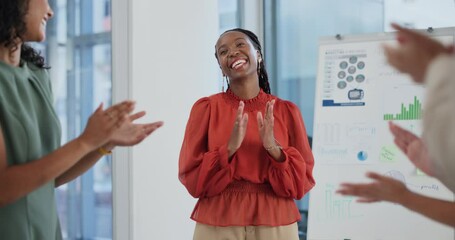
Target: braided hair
262,73
12,29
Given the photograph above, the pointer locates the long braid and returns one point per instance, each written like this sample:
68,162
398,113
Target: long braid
263,78
262,72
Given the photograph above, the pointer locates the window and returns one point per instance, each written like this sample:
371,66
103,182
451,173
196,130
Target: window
78,48
419,14
229,16
293,27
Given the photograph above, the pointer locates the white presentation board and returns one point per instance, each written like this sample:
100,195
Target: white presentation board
357,94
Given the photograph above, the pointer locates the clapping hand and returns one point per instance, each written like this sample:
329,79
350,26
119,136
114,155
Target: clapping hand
265,125
413,147
238,130
102,124
130,133
414,53
381,189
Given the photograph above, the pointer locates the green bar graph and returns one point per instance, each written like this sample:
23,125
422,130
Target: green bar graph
412,112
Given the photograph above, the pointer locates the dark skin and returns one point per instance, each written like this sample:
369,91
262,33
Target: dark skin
238,60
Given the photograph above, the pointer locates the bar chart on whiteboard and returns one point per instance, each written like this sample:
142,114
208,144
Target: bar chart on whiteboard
357,94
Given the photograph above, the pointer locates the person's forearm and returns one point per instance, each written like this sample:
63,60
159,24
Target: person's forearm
438,210
18,180
81,167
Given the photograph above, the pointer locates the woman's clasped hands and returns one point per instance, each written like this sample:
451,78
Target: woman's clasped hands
115,126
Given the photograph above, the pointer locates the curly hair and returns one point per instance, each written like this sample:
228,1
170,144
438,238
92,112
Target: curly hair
262,72
13,27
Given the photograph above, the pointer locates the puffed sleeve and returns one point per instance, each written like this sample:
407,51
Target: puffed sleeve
204,173
294,176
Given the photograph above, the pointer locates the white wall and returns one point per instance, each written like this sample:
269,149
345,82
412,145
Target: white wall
172,65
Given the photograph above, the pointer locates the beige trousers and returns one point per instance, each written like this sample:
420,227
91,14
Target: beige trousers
207,232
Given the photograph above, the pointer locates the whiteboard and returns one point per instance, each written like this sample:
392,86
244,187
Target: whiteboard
357,93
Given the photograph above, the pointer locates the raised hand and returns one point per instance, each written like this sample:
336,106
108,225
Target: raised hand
129,133
265,125
414,53
238,130
381,189
102,125
413,147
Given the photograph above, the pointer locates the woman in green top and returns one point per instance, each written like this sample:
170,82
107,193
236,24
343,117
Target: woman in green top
32,163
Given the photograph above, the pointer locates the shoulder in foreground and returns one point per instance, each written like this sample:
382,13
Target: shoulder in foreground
30,65
40,72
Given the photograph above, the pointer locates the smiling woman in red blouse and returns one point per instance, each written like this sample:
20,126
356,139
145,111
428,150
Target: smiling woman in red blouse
245,153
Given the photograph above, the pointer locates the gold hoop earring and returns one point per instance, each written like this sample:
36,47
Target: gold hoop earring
227,82
259,67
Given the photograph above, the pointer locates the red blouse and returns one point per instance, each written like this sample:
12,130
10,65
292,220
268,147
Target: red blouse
252,188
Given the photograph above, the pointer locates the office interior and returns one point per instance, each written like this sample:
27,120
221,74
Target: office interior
161,54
